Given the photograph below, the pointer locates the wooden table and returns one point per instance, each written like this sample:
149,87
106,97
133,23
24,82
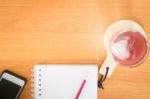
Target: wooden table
70,31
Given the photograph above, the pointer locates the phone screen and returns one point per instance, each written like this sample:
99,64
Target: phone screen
8,90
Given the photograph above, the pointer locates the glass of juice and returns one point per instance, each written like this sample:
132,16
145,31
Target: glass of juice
129,48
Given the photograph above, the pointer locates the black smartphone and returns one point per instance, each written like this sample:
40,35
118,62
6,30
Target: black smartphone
11,85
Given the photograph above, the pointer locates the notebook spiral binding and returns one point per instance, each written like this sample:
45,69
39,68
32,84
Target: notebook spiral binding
33,87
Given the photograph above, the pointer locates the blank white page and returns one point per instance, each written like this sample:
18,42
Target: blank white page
54,81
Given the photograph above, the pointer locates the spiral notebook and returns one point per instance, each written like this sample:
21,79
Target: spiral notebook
54,81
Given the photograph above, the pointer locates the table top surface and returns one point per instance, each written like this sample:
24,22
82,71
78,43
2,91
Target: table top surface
67,31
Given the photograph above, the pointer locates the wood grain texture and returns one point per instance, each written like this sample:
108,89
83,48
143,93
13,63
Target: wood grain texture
70,31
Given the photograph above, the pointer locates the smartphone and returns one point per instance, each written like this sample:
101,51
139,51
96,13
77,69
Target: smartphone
11,85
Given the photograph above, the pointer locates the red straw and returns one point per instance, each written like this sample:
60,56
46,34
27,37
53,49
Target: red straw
80,89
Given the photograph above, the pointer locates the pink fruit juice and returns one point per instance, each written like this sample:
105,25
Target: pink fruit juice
129,48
